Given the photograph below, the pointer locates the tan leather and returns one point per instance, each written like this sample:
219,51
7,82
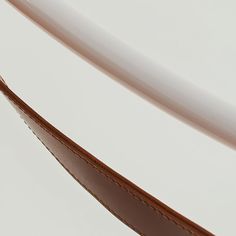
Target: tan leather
140,211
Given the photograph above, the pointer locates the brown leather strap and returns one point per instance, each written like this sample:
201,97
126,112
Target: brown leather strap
140,211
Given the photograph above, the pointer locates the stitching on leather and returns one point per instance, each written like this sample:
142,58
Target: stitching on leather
93,194
108,177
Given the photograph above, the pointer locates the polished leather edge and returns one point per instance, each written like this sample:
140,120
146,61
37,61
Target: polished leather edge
166,213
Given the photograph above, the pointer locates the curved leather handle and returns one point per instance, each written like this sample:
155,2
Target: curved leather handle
140,211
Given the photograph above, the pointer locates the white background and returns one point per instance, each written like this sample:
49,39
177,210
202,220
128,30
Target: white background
179,165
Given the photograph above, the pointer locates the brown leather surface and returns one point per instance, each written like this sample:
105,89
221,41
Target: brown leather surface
134,207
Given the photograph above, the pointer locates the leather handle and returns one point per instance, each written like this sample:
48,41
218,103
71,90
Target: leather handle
137,209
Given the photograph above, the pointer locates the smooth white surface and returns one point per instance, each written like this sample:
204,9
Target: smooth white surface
38,197
193,104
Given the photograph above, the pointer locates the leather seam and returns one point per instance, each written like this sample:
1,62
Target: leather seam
83,185
182,227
